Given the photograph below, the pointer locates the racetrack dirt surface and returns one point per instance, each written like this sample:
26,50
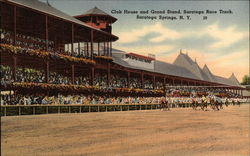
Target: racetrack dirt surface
181,131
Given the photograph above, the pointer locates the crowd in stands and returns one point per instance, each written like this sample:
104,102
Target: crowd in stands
199,91
118,81
100,79
10,99
178,93
6,74
75,99
26,41
30,42
56,78
29,75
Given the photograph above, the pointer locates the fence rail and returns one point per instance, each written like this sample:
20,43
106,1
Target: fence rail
15,110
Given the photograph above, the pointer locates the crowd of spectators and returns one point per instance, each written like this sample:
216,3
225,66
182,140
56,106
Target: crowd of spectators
100,80
10,99
26,41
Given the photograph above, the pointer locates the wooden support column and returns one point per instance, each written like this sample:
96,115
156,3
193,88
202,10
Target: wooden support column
72,74
79,49
92,76
154,82
142,80
46,33
14,68
181,82
91,45
47,71
128,80
14,26
164,83
98,44
110,48
87,49
173,81
67,48
104,48
108,75
72,38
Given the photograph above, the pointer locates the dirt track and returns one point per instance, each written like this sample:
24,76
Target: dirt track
181,131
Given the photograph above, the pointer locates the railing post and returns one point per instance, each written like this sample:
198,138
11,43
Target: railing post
19,111
5,111
34,110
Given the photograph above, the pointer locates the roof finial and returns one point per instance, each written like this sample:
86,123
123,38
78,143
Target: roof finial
48,3
195,60
187,53
180,51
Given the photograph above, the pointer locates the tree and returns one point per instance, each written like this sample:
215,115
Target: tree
246,80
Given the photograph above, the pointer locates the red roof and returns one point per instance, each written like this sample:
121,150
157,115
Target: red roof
141,56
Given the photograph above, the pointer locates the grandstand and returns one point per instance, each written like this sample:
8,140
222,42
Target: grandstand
62,54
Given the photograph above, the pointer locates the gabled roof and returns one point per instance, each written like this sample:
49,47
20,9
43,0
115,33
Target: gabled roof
208,73
234,79
160,67
97,11
183,60
185,68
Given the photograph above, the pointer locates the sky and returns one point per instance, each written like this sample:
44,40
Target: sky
221,41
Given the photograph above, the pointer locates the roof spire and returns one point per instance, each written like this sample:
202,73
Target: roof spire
180,51
48,3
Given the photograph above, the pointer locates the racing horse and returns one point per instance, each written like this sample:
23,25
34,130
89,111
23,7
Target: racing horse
216,105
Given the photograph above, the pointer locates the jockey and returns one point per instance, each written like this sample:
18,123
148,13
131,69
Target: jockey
203,99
